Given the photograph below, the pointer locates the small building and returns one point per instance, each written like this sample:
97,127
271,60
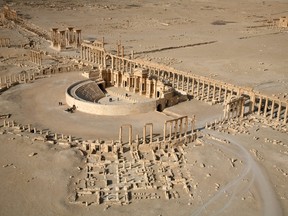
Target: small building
283,22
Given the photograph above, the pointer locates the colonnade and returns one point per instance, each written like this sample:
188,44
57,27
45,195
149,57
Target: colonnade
199,87
234,107
137,83
271,108
96,56
177,128
12,79
121,133
36,57
150,125
61,39
4,42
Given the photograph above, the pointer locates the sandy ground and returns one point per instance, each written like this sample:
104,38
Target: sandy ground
240,51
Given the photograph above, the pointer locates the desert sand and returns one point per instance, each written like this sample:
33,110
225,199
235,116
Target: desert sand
239,173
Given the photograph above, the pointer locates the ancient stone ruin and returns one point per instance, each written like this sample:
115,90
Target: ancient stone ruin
145,166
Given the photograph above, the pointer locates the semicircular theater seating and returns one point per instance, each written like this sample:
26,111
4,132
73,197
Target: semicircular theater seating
89,91
85,94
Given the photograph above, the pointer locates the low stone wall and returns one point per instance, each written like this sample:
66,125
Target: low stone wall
104,109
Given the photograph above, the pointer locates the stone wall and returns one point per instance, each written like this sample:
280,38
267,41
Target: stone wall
113,109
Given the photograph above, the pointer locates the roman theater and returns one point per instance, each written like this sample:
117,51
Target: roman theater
102,125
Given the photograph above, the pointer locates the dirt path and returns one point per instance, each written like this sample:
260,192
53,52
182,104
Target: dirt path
252,171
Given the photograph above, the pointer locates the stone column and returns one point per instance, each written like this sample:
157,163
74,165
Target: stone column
70,36
130,67
102,59
78,38
178,80
144,134
266,107
220,91
120,64
242,108
272,109
259,105
193,83
144,85
176,128
112,62
120,135
198,86
54,37
151,133
214,90
181,128
99,57
285,114
208,92
82,52
225,93
89,54
188,84
155,88
62,44
279,111
252,104
164,131
148,92
125,65
193,124
140,86
186,126
170,130
130,134
203,88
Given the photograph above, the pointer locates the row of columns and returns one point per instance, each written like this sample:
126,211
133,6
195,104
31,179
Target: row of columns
4,42
66,38
234,108
137,84
121,133
36,57
272,108
206,90
13,78
177,127
93,55
150,125
35,130
200,87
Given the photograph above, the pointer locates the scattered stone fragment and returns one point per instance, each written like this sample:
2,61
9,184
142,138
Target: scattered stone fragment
32,154
7,165
217,186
